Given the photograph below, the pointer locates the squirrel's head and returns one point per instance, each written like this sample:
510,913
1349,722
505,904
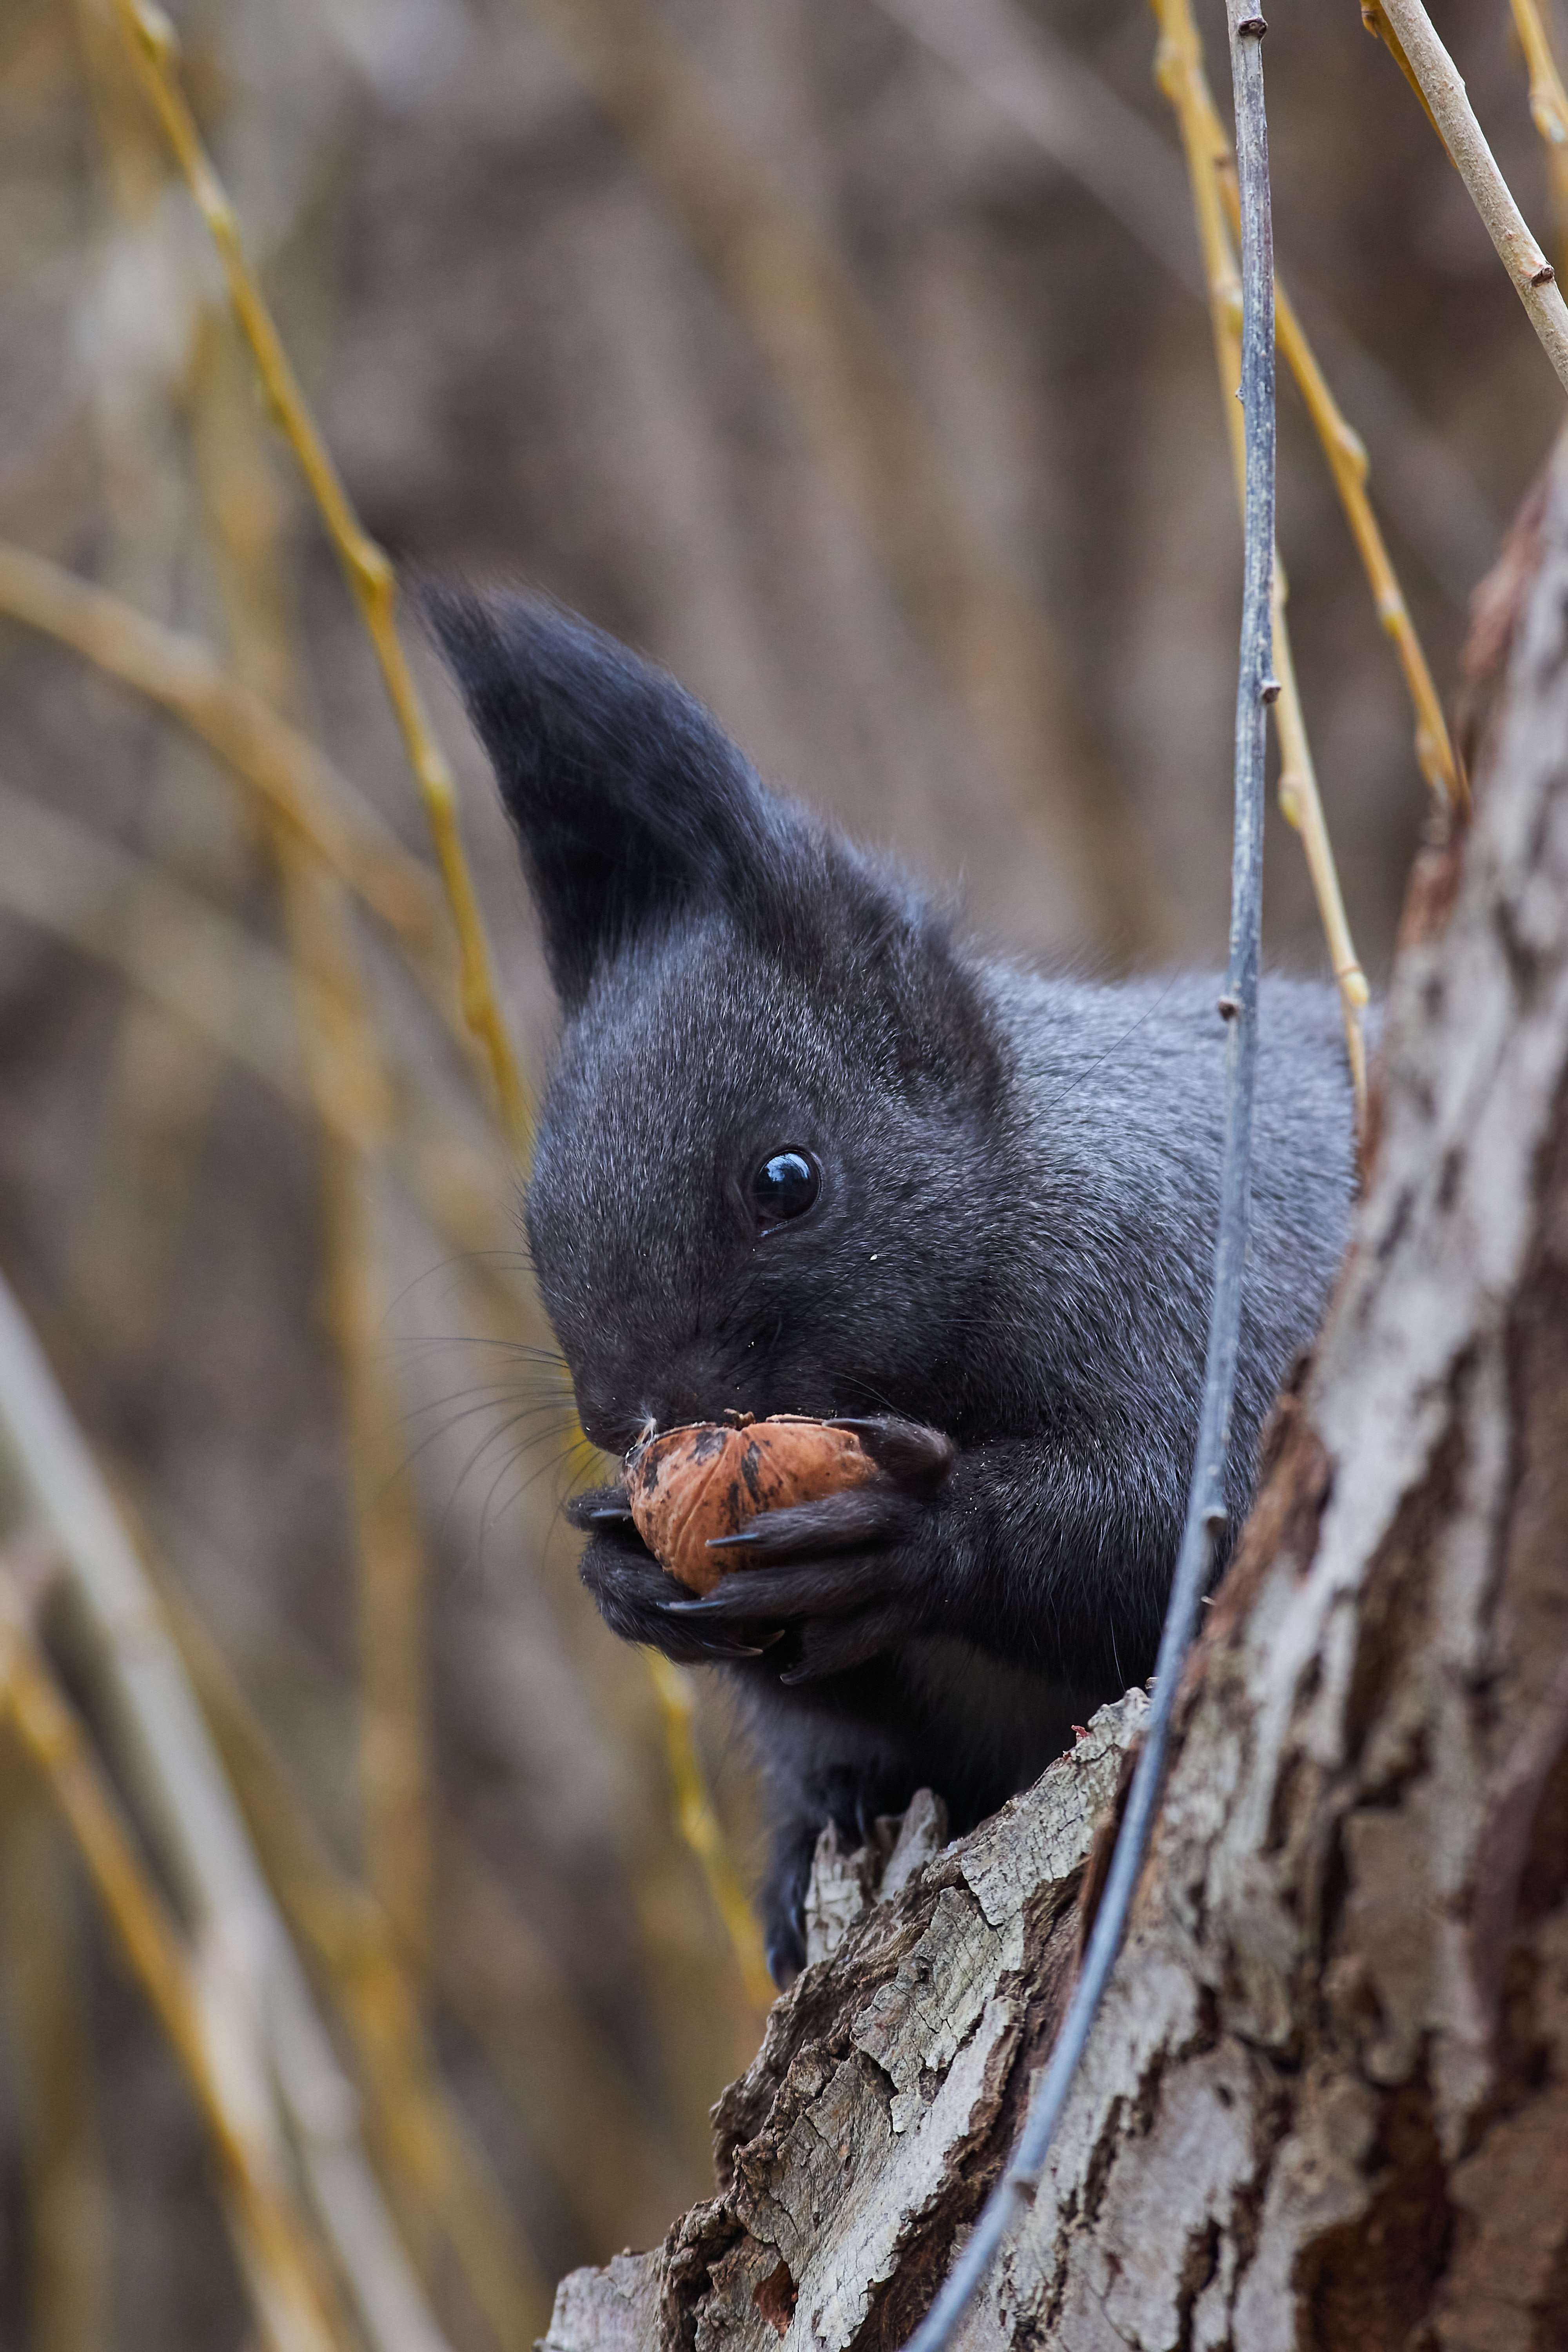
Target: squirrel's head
762,1178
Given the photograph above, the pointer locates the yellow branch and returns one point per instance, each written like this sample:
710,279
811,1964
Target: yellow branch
153,44
700,1826
1548,108
1442,86
275,760
1378,25
430,2148
65,2256
346,1075
1346,455
284,2264
1179,70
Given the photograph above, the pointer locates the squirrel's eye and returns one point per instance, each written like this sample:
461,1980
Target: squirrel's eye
784,1186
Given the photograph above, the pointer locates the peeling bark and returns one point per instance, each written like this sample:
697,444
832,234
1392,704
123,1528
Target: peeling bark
1326,2103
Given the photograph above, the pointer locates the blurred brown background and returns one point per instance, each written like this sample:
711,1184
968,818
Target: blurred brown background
541,268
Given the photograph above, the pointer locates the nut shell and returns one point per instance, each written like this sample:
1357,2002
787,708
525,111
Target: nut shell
710,1477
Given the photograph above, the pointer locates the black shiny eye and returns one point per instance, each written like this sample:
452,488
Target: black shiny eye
784,1186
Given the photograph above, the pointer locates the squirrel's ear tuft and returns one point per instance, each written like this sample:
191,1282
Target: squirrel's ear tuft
628,799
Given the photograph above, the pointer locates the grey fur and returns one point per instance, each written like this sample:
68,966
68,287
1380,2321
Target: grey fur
1012,1246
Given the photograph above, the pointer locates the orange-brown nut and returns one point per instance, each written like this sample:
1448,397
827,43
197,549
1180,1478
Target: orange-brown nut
709,1478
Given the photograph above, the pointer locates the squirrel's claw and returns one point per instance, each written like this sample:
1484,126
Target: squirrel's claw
598,1507
819,1588
908,1452
878,1514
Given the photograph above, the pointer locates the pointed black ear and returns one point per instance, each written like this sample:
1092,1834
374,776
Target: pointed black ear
628,799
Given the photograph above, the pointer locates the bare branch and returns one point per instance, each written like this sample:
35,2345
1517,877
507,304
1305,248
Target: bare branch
1442,89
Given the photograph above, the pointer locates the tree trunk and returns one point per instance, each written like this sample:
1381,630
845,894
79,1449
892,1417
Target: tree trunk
1326,2102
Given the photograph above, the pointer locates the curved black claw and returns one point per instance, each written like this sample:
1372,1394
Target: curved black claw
880,1513
598,1507
634,1596
906,1451
818,1588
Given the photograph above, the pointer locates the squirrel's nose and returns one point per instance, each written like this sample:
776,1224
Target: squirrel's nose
689,1386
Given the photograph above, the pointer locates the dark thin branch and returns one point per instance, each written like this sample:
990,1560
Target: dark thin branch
1206,1517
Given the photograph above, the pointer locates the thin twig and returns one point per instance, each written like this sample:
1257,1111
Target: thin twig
151,40
1442,88
1179,70
1206,1514
251,1975
1548,108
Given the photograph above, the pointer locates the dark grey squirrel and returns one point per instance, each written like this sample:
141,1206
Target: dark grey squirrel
805,1150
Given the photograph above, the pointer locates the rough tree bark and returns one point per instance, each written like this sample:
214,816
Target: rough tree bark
1326,2103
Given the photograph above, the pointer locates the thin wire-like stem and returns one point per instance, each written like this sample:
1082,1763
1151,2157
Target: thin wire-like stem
1548,108
1206,1514
700,1826
1441,85
1179,70
152,43
280,2261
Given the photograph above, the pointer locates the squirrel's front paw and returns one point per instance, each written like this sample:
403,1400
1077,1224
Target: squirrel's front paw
633,1593
849,1574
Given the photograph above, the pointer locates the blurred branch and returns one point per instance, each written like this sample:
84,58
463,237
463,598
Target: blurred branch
1428,66
275,2243
159,1092
1031,76
494,1975
430,2151
276,2057
500,1981
1548,108
699,1828
279,763
807,318
153,44
68,2218
1377,23
348,1083
1178,69
213,976
1346,455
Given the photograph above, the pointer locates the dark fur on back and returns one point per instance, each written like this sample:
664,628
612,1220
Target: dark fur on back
1006,1271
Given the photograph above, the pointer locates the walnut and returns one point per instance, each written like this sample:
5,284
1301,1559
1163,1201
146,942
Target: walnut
711,1477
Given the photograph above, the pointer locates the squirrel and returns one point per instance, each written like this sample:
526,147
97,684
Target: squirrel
807,1149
